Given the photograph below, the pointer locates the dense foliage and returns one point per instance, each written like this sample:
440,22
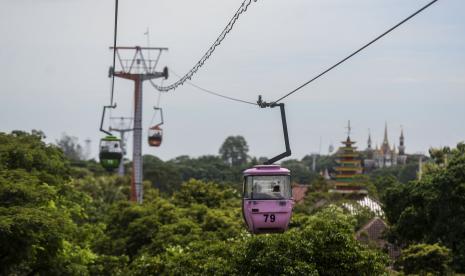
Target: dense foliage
43,225
323,245
425,258
234,151
432,210
58,219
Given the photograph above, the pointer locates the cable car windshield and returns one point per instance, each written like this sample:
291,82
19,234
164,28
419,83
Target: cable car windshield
155,132
110,146
267,187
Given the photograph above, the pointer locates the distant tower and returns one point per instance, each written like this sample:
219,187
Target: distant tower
369,149
379,157
420,167
326,175
402,157
314,162
387,156
330,148
369,162
369,140
385,148
401,142
394,155
88,152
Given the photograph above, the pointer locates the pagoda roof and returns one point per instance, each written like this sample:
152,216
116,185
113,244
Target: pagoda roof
347,148
351,166
345,169
348,161
348,141
345,180
348,154
348,185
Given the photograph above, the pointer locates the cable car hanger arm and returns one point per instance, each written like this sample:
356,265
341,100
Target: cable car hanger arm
103,118
288,152
161,115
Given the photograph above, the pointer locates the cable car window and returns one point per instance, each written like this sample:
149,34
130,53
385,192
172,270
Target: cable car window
268,187
109,146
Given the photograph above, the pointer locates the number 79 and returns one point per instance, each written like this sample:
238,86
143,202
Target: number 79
272,217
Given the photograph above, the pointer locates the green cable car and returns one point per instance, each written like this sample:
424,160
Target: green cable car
110,152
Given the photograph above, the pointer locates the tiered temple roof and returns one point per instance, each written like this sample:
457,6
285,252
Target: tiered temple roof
349,166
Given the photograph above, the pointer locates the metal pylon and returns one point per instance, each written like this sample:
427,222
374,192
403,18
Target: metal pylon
137,69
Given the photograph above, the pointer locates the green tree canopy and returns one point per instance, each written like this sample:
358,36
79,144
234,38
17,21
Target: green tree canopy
301,173
433,209
44,226
325,245
234,150
71,148
59,220
206,193
426,258
164,176
21,150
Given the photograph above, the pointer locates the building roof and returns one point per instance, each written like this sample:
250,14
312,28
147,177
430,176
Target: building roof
298,192
367,202
373,231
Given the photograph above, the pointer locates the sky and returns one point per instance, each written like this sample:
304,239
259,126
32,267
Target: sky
55,58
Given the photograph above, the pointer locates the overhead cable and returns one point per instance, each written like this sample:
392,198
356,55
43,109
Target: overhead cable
214,93
357,51
115,34
243,8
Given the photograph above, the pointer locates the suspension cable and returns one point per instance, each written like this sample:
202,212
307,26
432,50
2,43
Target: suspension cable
114,52
214,93
159,97
357,51
243,8
157,106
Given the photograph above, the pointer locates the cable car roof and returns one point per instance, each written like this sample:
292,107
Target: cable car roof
110,138
267,170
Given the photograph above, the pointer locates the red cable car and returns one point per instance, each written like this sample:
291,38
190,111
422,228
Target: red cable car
155,136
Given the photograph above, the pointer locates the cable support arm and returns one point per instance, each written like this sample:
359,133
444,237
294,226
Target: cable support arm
161,115
288,152
103,119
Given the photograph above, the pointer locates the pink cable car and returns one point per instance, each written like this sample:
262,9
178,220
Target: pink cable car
267,195
267,201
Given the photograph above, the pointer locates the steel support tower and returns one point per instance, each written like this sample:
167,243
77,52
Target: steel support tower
122,129
137,69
